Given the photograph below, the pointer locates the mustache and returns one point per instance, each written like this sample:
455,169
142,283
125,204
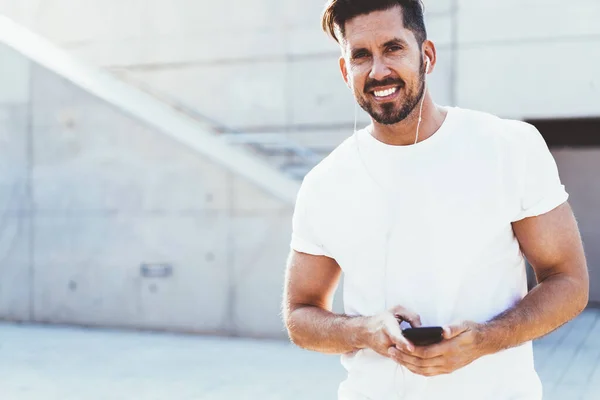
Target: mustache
373,84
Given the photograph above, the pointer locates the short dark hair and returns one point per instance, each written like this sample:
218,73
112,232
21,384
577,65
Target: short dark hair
338,12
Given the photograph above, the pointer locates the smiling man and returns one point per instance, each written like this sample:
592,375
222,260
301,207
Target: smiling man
430,213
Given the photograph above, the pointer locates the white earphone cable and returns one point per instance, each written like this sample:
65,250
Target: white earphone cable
355,115
422,102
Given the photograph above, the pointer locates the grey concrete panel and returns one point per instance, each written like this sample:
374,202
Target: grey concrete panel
15,266
133,32
188,17
317,92
14,158
68,176
321,140
111,53
438,6
440,81
55,98
486,21
14,77
88,270
15,205
530,80
237,95
305,13
312,41
20,11
247,198
439,29
225,46
259,251
112,194
92,157
95,20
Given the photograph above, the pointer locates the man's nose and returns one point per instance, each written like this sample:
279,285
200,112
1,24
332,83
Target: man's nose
380,70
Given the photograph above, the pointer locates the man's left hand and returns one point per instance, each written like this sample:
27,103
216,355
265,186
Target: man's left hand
460,347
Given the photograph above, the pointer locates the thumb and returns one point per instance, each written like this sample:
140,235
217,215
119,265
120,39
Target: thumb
452,331
395,335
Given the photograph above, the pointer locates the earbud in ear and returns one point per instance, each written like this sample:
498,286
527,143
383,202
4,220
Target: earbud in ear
428,62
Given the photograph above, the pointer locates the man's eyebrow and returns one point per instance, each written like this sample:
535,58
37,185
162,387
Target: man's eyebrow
396,41
357,49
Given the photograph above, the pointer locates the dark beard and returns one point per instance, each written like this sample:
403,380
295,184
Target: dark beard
390,115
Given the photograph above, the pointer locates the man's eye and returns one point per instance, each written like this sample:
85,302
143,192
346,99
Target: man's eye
394,48
360,54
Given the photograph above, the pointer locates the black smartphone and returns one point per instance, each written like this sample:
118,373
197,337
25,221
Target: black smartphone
424,336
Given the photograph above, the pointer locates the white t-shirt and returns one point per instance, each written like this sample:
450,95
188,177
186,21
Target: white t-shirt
428,227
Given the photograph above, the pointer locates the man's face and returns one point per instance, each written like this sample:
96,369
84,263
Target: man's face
384,65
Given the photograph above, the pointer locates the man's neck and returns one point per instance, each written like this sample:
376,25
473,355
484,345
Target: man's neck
404,133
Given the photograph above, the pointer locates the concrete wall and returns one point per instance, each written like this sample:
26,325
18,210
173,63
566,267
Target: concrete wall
90,194
15,193
531,58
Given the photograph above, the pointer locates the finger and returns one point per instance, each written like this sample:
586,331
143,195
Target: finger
402,343
432,366
433,351
412,318
452,331
406,359
427,372
416,323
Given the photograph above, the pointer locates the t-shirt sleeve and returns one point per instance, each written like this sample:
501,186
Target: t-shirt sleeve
541,190
304,237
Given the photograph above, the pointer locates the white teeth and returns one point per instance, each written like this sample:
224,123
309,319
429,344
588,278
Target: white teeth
384,93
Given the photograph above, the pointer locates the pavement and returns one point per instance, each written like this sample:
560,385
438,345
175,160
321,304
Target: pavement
60,363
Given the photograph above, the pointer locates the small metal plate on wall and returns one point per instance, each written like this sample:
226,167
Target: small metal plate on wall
156,270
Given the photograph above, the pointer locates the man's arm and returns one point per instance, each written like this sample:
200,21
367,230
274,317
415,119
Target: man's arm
310,285
552,245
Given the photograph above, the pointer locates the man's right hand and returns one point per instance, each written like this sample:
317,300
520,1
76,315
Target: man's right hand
383,330
311,282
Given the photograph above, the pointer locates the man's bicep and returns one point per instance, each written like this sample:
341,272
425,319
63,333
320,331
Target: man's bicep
552,244
310,280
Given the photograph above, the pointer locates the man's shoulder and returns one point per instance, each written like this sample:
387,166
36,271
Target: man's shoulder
511,131
488,119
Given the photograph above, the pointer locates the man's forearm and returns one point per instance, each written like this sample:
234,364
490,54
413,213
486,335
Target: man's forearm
549,305
316,329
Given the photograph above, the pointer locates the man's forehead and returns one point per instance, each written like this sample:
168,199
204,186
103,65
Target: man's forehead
378,26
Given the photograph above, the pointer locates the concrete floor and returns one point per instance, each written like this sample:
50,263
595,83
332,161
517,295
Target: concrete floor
47,363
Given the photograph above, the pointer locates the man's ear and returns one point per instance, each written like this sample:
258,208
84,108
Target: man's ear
344,71
430,53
